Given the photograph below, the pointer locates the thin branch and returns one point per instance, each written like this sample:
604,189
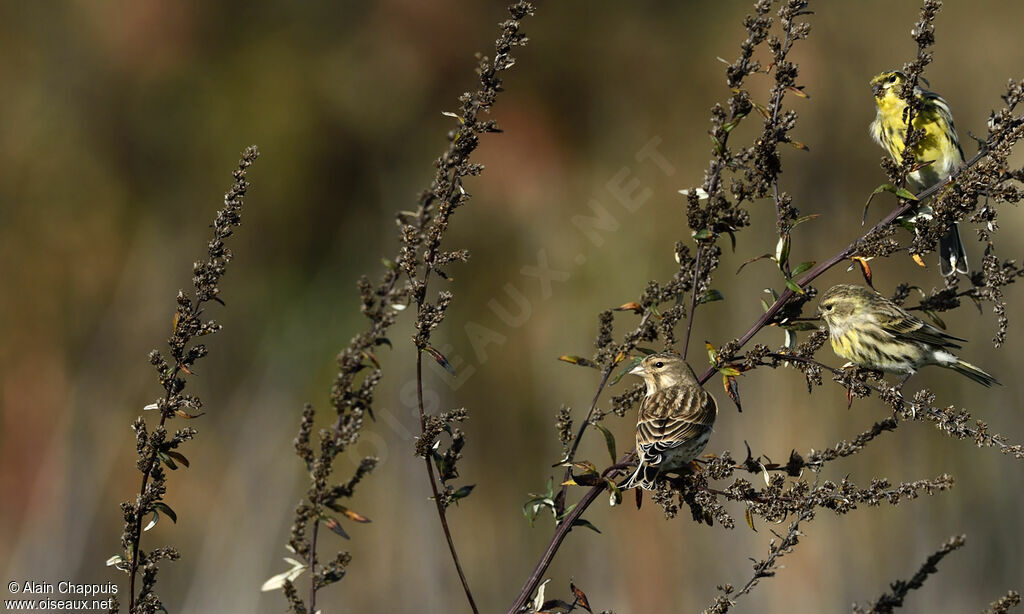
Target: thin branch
433,486
206,275
980,435
1010,600
605,376
313,586
765,568
561,531
900,588
579,435
151,462
693,300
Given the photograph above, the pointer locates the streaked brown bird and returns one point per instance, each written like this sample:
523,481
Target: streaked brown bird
675,419
873,332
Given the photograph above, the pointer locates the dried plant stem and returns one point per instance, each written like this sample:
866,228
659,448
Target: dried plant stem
766,567
561,531
693,299
979,435
605,376
900,588
133,572
312,567
433,487
187,326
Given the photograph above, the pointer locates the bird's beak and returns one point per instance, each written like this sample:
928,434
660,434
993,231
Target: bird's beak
876,89
637,370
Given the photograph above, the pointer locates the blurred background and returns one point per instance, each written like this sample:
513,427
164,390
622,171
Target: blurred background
121,122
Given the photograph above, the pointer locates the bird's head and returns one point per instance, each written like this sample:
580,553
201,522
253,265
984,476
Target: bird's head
840,303
663,370
887,85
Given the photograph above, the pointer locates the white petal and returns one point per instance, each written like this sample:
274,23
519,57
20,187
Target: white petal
701,193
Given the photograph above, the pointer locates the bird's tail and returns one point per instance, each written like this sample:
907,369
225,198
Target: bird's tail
643,477
976,374
952,254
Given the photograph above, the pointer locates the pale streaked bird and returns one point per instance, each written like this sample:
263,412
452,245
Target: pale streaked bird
871,331
675,418
938,150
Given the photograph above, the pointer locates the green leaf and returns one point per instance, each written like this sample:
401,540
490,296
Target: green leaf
710,296
178,456
645,351
565,513
712,352
702,234
462,493
761,257
166,460
580,522
803,266
609,440
782,251
632,364
905,193
728,127
792,285
886,187
806,218
166,509
585,466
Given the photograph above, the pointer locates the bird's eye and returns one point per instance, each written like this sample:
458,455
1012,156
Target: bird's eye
659,365
827,307
892,78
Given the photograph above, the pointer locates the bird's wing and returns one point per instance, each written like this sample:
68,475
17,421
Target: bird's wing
937,103
902,325
673,416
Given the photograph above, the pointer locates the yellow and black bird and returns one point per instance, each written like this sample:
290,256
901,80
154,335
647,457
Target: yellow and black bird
675,419
938,152
873,332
